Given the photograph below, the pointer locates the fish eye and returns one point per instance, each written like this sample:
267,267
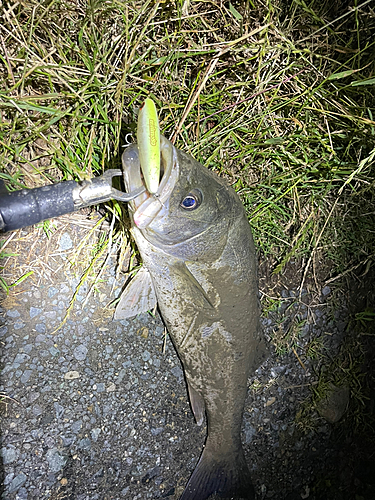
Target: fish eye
192,200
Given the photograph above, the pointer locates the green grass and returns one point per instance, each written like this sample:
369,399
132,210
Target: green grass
276,97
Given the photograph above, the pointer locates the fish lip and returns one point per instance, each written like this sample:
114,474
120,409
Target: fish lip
146,206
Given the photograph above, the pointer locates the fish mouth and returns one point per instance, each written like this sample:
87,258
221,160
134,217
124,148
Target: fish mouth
146,207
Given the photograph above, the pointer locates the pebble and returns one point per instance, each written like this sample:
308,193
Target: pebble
40,328
76,426
66,242
35,311
26,375
250,432
80,352
81,329
85,444
50,314
177,372
28,348
21,494
156,431
8,478
33,396
270,401
18,325
37,410
13,313
156,362
95,433
59,410
9,454
56,461
120,376
3,330
52,291
335,403
53,351
146,355
17,482
20,358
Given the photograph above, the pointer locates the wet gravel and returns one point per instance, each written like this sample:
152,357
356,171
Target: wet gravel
99,410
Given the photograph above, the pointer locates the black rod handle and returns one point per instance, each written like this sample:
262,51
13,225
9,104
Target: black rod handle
30,206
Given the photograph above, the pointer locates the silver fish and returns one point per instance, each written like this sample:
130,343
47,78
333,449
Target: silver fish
200,265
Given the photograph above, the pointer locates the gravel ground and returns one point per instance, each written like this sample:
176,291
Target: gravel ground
99,410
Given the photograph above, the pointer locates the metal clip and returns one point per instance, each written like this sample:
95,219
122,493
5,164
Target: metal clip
100,189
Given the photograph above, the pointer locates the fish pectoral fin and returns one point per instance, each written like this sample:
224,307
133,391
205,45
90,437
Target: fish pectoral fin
193,288
197,404
139,296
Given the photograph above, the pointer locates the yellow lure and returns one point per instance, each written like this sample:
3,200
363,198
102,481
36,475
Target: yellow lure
148,138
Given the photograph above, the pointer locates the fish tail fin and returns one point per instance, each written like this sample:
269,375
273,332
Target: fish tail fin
224,476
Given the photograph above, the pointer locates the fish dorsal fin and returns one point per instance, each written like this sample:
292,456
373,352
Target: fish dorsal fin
193,288
138,297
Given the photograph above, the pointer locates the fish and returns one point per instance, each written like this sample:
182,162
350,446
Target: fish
200,266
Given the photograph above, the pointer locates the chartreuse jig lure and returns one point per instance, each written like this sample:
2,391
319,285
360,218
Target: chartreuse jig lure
148,137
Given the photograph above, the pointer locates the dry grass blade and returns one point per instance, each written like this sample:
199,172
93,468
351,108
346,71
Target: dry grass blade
194,96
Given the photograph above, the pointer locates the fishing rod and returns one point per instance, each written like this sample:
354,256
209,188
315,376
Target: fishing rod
26,207
30,206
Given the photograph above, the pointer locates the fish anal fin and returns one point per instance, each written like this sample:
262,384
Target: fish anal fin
139,296
197,404
220,476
